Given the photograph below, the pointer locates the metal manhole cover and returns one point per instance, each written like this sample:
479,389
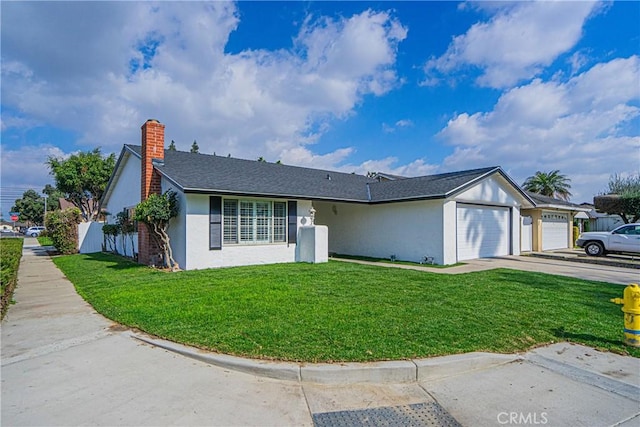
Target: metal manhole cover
419,414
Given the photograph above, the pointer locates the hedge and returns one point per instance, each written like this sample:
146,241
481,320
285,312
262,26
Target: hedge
10,254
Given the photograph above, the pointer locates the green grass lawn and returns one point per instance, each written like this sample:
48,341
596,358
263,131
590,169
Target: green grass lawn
45,241
349,312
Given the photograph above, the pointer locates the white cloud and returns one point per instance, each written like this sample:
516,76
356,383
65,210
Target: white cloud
27,165
516,44
404,123
104,75
585,127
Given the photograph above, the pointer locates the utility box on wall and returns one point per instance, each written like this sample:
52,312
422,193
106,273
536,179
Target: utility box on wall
313,242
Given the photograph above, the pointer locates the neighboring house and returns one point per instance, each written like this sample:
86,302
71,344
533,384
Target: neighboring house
240,212
601,221
548,225
65,204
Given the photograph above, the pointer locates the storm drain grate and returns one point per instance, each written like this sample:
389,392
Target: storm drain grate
419,414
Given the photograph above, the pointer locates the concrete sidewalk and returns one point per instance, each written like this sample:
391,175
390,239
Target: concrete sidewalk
64,364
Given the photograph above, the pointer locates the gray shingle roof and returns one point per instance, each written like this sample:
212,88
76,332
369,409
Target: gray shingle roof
206,173
546,200
431,186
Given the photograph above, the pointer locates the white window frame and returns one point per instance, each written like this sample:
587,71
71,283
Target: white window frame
253,221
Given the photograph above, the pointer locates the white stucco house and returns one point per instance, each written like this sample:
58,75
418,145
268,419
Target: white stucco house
241,212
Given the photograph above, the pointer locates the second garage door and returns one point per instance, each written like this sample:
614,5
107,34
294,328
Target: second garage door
482,231
555,231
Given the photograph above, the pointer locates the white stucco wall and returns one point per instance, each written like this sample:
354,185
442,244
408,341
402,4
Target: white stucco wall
409,230
197,254
450,229
178,224
493,190
126,188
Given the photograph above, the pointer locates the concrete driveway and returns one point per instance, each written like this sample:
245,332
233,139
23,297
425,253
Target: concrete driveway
560,267
64,364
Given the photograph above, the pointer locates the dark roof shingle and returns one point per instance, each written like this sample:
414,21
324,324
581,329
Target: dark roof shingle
431,186
209,173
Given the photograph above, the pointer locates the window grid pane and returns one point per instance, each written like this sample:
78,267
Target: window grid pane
263,221
247,220
279,222
250,221
230,212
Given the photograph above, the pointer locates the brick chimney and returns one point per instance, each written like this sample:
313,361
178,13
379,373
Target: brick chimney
150,183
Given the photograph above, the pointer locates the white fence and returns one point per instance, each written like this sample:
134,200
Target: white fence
91,239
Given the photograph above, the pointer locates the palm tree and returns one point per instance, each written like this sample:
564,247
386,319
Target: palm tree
552,184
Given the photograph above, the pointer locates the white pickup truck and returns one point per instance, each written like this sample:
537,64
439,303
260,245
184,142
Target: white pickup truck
625,238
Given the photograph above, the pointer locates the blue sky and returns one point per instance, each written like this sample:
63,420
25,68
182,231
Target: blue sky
410,88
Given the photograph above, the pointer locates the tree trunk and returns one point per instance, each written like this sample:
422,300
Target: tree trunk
164,243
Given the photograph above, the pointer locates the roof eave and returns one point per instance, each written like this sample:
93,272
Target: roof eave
560,207
194,190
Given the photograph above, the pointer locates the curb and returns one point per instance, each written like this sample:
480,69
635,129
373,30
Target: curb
401,371
609,262
263,368
585,376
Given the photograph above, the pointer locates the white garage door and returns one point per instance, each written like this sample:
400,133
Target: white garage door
483,231
555,231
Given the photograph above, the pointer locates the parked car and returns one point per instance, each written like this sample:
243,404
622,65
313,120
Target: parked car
625,238
34,231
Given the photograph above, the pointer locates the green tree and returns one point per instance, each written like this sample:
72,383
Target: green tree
194,147
261,159
30,206
622,198
82,178
53,197
551,184
156,212
172,146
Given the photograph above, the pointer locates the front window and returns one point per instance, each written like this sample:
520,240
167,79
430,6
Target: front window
254,221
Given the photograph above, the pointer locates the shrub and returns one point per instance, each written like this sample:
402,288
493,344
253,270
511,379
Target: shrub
576,233
62,227
127,229
111,232
11,250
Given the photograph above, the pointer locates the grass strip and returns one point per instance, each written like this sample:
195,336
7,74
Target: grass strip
349,312
45,241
